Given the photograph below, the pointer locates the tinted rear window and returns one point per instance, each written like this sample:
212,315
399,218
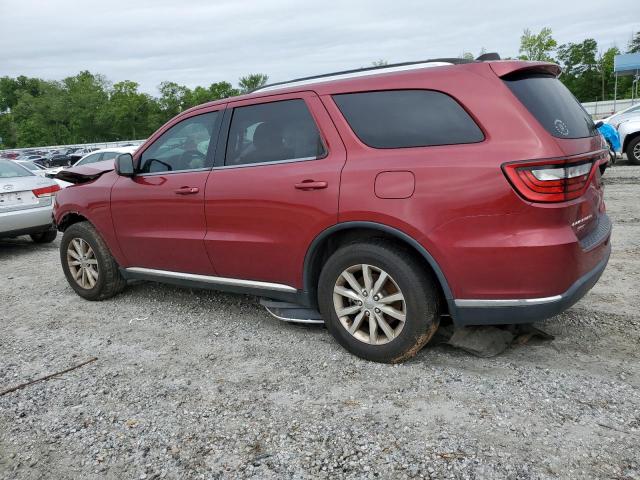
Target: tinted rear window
553,105
407,118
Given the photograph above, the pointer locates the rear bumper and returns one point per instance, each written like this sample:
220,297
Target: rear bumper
24,222
512,311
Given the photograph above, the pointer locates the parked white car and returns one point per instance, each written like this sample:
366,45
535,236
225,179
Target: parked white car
93,157
629,131
26,203
623,115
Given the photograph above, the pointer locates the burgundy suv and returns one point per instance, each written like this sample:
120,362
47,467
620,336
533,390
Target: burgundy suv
377,201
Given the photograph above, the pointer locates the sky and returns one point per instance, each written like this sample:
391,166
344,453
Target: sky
198,42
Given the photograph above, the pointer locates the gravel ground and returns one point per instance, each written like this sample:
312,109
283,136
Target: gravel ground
196,384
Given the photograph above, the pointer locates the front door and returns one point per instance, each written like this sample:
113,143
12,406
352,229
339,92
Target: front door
158,214
274,187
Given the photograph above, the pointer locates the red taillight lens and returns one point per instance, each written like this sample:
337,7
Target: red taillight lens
46,191
556,180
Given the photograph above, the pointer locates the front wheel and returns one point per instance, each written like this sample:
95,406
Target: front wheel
378,302
87,263
633,151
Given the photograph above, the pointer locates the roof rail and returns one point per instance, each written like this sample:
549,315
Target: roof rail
435,62
367,70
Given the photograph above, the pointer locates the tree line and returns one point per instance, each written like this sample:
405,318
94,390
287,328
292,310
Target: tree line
87,108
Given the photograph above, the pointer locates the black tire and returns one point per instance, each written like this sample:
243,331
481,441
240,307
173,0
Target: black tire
421,302
44,237
109,281
635,160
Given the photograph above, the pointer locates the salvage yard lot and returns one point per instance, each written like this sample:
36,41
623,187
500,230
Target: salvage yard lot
198,384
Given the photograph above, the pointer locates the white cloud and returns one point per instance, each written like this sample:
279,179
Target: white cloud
197,42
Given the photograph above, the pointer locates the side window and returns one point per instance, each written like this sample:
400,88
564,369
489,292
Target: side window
407,118
271,132
185,146
90,159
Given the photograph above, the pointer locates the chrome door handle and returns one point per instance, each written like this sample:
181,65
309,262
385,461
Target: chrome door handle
311,185
187,190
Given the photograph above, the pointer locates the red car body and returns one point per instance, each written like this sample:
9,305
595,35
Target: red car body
499,257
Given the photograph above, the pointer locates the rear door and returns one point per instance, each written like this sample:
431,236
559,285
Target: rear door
274,187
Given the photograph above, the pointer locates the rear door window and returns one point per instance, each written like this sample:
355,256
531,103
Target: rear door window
553,105
407,118
273,132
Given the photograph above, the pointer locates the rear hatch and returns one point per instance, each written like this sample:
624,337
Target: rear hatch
575,177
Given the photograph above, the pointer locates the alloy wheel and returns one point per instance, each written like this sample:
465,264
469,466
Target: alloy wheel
83,263
369,304
636,151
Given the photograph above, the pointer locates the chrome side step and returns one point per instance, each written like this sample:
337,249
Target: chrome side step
291,312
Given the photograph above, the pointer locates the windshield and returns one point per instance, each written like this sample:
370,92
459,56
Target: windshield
9,169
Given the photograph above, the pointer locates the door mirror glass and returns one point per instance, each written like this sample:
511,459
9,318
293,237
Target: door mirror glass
124,165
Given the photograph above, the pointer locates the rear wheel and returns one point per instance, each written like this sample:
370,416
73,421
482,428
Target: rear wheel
44,237
88,265
378,302
633,151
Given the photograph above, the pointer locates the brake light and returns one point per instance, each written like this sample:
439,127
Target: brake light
556,180
46,191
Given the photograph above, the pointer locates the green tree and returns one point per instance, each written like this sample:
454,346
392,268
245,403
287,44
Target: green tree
634,44
537,46
7,131
252,81
581,71
130,114
215,91
173,99
379,63
85,96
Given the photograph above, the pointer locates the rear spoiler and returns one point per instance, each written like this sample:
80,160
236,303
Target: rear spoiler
509,67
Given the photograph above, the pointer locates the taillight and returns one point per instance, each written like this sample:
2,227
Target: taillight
555,180
46,191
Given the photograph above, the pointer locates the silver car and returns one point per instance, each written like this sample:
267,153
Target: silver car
26,203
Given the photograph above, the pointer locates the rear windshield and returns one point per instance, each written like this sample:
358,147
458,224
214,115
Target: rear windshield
8,169
553,105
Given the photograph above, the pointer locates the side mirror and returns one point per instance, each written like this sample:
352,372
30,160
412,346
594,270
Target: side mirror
124,165
599,124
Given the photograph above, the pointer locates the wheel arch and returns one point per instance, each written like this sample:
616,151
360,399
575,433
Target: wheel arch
69,219
331,238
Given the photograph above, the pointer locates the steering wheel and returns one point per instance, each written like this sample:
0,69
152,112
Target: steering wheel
188,158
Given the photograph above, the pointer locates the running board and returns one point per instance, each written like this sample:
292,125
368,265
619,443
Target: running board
291,312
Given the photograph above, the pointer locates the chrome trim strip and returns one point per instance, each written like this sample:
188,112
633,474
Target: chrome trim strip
210,279
274,162
514,302
172,172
